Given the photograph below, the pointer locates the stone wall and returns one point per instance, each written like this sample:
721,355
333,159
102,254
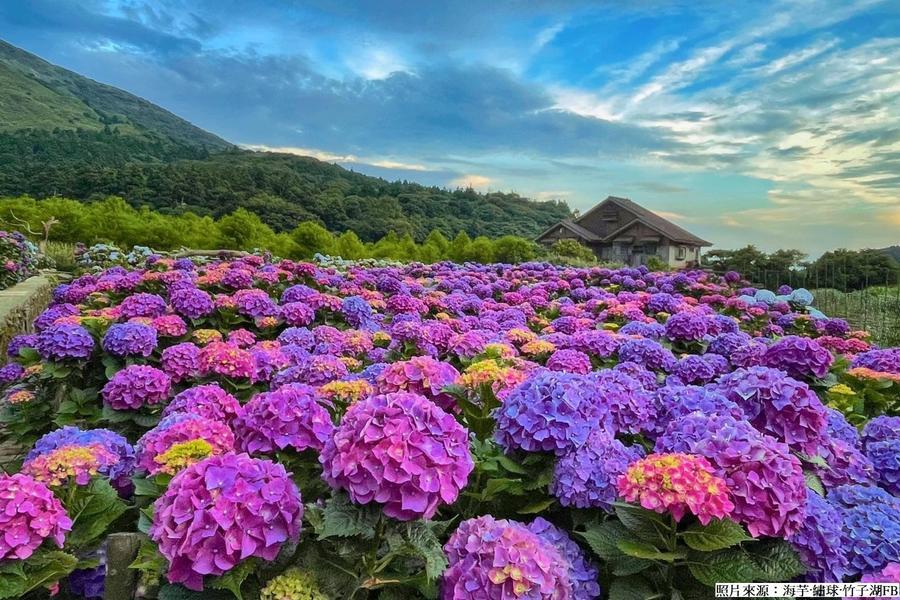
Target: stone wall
19,305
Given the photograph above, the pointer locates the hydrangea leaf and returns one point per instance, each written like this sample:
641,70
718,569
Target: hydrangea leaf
603,538
725,565
631,588
234,578
45,568
341,518
13,580
647,551
93,508
645,524
775,561
717,535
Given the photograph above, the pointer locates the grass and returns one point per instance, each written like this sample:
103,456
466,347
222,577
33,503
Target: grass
63,255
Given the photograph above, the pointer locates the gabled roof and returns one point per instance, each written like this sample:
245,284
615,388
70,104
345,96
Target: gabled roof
575,228
649,218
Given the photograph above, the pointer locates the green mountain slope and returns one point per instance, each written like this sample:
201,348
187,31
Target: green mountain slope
63,134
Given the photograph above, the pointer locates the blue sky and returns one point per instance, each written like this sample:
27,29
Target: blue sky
774,123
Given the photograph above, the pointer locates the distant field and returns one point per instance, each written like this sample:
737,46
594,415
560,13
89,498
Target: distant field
875,309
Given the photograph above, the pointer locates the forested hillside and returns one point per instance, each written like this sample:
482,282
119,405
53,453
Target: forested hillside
62,134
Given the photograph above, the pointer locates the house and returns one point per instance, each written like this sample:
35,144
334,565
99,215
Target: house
619,230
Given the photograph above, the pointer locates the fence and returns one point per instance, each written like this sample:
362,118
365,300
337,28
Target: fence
875,307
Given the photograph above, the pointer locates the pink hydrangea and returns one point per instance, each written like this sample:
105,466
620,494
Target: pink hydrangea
227,359
29,514
176,429
421,375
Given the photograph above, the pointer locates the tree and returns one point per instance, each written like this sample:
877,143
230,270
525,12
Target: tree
480,250
312,238
348,245
459,247
573,249
512,249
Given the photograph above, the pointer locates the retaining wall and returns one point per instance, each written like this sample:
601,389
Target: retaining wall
19,305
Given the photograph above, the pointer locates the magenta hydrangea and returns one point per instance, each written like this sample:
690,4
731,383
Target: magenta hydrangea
765,480
421,375
135,387
178,428
799,356
289,417
549,412
496,559
209,401
222,510
570,361
29,514
778,405
401,451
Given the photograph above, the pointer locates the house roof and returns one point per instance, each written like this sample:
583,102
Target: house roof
575,228
649,218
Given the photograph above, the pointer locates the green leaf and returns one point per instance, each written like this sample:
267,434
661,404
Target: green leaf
629,565
150,561
647,551
645,524
13,580
603,538
775,561
145,519
341,518
46,568
145,487
536,507
717,535
92,509
418,539
511,465
631,588
814,483
177,592
234,578
732,564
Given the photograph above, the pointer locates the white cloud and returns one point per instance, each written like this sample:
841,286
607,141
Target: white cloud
326,156
472,181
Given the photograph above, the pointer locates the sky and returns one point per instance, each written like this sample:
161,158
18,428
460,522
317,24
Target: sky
771,123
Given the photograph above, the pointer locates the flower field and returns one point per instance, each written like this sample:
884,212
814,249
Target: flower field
18,256
292,431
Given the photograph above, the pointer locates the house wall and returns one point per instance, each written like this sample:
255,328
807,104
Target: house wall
691,255
606,219
558,233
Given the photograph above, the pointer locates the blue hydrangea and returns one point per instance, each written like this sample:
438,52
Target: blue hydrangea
885,457
119,472
674,402
871,526
840,428
130,339
880,429
649,354
357,312
548,412
582,573
585,477
820,541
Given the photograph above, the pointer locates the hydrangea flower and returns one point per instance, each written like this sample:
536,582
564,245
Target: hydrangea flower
570,361
628,407
312,370
883,360
221,511
130,339
153,449
143,305
65,341
209,401
119,471
764,479
799,356
76,462
880,429
889,574
819,541
871,526
677,484
845,464
582,574
687,326
421,375
649,354
778,405
401,451
499,559
226,359
586,476
289,417
293,584
135,387
181,361
549,412
673,402
29,514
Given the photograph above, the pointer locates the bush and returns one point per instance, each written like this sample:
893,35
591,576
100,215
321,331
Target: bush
18,258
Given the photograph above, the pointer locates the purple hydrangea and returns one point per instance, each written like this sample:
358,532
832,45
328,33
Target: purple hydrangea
314,370
582,573
585,477
880,429
688,326
401,451
29,514
130,339
178,428
871,527
845,464
765,480
649,354
136,386
549,412
209,401
254,303
222,510
11,373
289,417
840,428
778,405
57,311
751,354
626,406
881,444
357,312
570,361
143,305
493,559
819,541
674,402
181,361
725,344
696,369
799,356
119,471
885,360
298,314
25,340
191,303
597,342
64,341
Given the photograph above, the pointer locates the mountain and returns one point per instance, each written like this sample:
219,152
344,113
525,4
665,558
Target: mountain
892,251
64,134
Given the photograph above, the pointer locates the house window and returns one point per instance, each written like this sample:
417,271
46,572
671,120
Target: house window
680,253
